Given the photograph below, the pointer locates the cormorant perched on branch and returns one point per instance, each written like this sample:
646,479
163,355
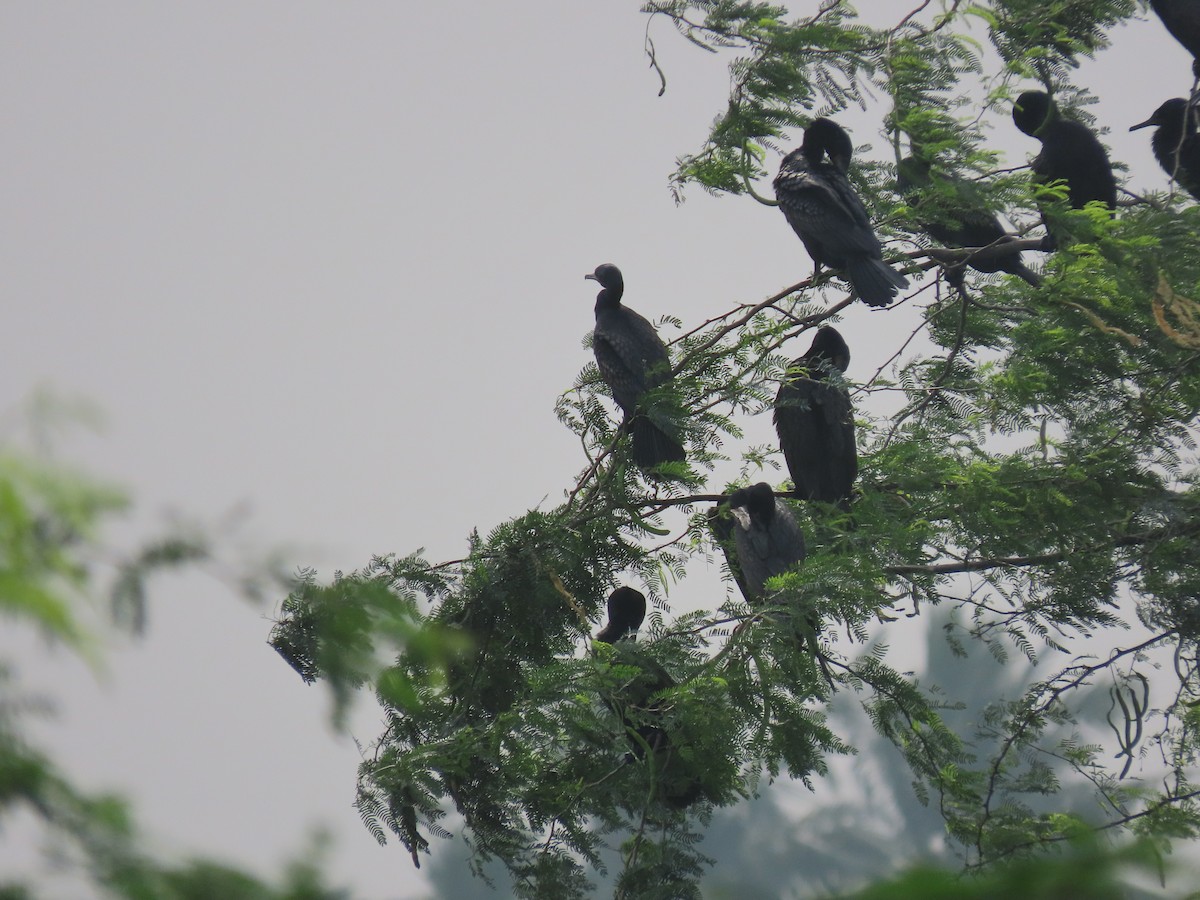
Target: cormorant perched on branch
632,360
626,612
638,704
1175,142
821,206
1182,20
815,422
1070,153
767,538
761,539
964,220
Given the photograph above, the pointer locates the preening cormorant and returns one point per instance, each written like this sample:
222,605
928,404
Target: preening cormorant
632,360
767,538
815,422
1070,153
821,206
761,539
1182,20
626,612
1175,142
960,219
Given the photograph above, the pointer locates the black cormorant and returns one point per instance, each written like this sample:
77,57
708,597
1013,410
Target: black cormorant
1070,153
815,422
639,703
626,612
632,360
821,206
1182,20
767,538
960,219
761,539
1175,143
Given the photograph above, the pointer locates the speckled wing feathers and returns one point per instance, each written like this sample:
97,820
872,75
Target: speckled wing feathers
821,206
631,356
765,550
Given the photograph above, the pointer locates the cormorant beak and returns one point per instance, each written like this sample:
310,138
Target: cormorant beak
1150,121
590,277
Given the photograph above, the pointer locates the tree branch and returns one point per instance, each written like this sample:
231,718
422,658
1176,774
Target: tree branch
984,564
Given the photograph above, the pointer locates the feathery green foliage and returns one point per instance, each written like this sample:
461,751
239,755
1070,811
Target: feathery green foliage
1027,459
50,520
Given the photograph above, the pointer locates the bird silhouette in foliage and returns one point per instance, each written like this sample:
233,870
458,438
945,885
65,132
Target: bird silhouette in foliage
951,211
765,534
1175,143
626,612
640,704
1070,152
761,539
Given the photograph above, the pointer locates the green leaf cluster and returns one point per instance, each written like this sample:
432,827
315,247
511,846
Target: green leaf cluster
50,524
1027,460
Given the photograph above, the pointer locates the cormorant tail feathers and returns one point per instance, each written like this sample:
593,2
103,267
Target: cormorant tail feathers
874,280
652,445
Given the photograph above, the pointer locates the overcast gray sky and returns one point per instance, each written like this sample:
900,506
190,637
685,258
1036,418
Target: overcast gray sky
324,261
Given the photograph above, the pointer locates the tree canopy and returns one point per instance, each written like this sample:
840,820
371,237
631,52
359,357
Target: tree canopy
1026,460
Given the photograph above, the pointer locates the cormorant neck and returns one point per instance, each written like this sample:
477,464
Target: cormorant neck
609,298
1166,137
1175,124
824,137
819,364
1034,111
761,504
765,511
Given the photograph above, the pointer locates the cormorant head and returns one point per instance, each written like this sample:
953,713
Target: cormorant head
608,275
1172,113
610,279
757,502
626,612
1032,111
829,345
627,606
824,136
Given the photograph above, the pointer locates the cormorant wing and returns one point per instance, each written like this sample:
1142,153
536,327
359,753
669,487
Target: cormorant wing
758,541
765,552
840,451
1071,151
630,354
833,402
829,205
1188,172
753,551
785,542
722,525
